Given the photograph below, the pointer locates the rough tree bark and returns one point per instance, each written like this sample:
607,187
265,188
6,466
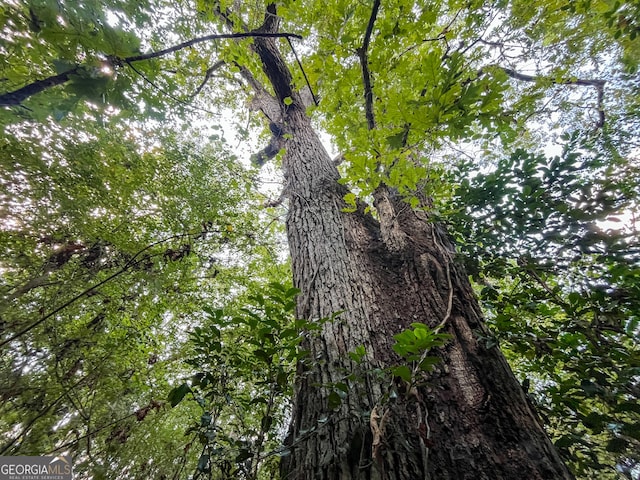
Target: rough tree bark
469,419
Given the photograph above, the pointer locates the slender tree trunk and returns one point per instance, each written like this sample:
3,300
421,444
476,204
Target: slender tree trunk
469,418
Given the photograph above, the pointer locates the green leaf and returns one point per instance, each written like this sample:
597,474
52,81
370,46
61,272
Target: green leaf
403,372
617,445
62,65
594,421
396,141
205,419
589,387
203,463
263,355
350,200
243,455
427,364
566,441
334,400
266,423
628,407
358,354
292,292
178,393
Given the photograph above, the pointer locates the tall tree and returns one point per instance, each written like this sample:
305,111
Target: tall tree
467,419
402,382
103,263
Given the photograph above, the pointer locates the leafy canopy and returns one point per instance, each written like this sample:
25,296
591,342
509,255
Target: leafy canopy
135,257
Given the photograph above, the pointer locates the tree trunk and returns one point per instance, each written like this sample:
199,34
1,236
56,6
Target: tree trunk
467,419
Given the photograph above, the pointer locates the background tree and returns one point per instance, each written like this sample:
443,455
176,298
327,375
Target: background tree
103,266
403,380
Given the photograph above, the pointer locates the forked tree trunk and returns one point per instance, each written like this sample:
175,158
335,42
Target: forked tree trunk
469,418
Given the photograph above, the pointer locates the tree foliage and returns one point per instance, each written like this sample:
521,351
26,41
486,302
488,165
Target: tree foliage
557,272
114,239
137,261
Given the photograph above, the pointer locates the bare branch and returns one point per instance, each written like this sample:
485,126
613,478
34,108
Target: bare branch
218,36
304,74
569,81
167,94
596,83
207,76
18,96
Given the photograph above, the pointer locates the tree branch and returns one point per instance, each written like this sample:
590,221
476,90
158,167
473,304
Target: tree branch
269,104
263,100
206,38
167,94
523,262
596,83
16,97
208,74
99,429
226,17
304,74
364,62
41,414
532,78
133,261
